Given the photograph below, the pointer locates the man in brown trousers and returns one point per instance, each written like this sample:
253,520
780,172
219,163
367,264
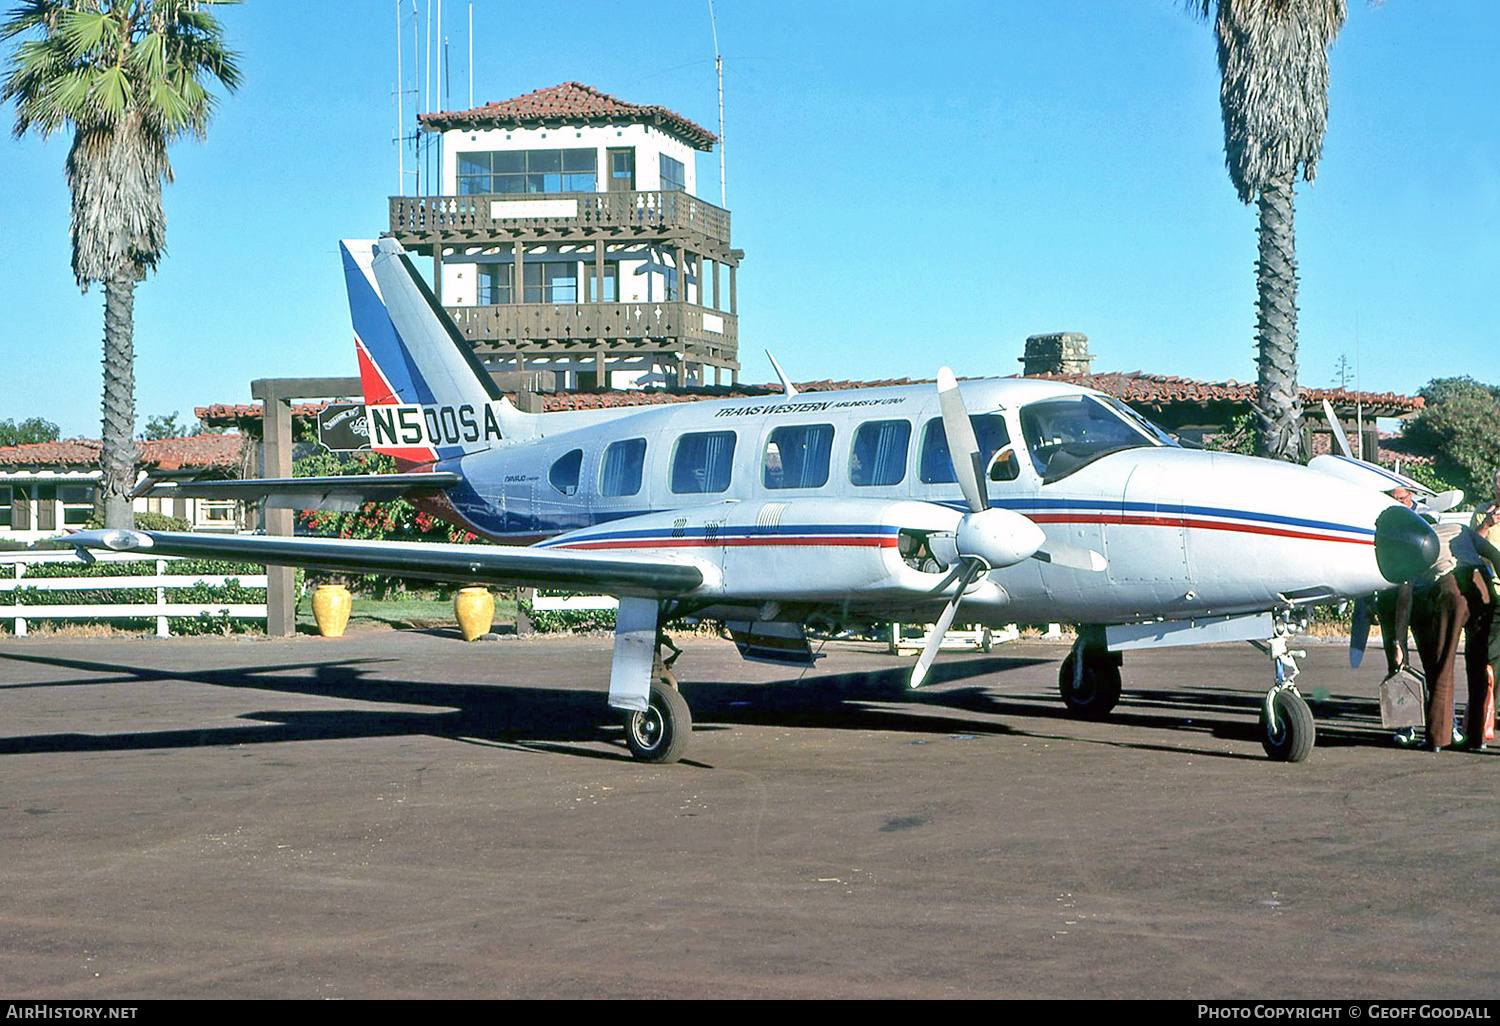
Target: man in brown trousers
1450,601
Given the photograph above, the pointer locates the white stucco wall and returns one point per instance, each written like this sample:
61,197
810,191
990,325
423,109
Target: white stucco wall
647,140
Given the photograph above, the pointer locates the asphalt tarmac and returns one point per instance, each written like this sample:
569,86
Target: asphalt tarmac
401,814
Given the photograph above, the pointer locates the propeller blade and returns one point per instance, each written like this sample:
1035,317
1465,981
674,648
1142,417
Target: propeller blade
1442,502
1359,630
944,621
1072,556
963,447
1339,438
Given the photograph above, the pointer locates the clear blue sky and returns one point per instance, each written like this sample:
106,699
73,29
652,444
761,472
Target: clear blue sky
912,185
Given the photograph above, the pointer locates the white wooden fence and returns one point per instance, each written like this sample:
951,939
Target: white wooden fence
19,613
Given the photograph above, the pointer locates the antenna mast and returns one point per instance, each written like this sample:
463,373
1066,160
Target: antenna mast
719,69
400,113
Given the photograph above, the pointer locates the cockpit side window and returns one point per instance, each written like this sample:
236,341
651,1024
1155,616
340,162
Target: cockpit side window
1069,432
936,464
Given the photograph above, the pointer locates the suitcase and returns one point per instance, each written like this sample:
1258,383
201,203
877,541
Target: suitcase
1401,699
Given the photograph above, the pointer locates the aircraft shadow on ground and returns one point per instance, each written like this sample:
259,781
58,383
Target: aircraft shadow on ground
548,717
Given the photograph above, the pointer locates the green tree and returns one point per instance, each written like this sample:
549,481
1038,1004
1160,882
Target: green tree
128,76
1459,426
160,427
1273,61
32,429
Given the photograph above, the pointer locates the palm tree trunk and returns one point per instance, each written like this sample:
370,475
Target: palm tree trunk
117,450
1278,413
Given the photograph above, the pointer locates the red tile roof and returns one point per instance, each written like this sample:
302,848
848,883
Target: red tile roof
1161,389
1135,387
568,104
239,414
167,454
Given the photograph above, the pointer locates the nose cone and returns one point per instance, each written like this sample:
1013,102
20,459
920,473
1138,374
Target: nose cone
1405,544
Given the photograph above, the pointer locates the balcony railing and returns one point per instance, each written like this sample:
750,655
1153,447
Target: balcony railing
418,217
713,331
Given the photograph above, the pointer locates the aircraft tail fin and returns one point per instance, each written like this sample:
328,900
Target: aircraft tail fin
427,396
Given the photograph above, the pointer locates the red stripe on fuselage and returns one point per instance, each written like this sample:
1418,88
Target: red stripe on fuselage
1203,525
808,541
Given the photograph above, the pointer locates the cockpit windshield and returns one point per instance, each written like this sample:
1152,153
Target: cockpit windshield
1069,432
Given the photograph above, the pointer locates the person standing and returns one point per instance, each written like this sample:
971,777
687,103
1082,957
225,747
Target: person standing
1452,602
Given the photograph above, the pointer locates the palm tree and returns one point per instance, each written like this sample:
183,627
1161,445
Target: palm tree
128,76
1273,57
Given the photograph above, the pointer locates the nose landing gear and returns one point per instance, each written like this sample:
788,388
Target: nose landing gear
1285,719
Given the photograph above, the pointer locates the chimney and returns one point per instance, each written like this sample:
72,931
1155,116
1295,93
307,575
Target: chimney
1058,352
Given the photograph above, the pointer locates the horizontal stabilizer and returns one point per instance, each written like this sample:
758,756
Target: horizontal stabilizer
607,573
338,494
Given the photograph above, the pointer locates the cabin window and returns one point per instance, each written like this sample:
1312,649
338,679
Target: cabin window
702,462
6,499
936,464
878,456
564,472
620,472
796,456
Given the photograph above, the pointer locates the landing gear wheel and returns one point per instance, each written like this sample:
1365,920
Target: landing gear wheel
1092,697
1291,739
660,734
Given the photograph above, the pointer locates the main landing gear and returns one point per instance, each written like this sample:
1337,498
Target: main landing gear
1089,681
660,733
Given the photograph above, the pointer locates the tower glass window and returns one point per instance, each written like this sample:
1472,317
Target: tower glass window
495,284
552,282
673,174
528,171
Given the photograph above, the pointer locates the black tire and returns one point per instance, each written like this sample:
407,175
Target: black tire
1295,732
660,734
1096,695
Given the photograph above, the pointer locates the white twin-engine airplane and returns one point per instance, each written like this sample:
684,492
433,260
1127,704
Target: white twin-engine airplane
770,513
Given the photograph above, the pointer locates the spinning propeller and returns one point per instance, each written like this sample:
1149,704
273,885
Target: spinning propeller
988,537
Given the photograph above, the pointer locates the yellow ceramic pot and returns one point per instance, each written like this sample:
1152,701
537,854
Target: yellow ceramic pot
331,604
475,610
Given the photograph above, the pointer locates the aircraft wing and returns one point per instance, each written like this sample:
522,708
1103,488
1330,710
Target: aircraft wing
338,494
607,573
